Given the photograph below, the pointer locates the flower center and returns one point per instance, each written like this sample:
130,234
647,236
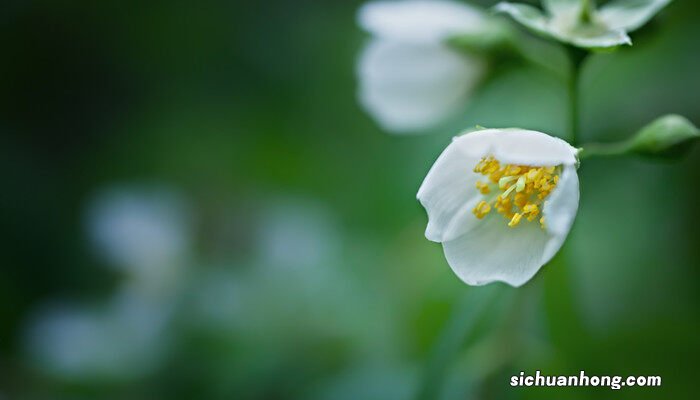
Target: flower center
514,191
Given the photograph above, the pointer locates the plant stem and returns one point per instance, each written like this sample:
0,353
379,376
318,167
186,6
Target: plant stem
457,329
576,56
604,149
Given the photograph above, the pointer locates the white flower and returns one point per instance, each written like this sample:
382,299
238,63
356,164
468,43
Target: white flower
578,23
122,339
297,233
409,79
144,231
501,202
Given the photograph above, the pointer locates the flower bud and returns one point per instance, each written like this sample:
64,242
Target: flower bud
667,137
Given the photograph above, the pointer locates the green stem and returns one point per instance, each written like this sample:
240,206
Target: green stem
604,149
461,323
576,56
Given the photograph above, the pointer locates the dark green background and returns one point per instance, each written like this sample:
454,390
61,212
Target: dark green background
248,107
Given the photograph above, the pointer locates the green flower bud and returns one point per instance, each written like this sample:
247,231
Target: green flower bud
667,137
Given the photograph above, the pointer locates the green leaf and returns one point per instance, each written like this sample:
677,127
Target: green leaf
630,14
667,137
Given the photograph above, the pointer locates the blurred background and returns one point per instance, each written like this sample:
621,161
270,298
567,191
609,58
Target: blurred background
196,206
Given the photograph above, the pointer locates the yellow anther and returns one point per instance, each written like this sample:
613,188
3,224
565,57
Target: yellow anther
481,209
523,189
531,209
515,220
483,187
533,174
513,169
504,205
542,223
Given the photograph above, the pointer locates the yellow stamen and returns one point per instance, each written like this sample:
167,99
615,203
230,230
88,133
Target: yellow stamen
515,220
482,209
523,190
483,187
503,182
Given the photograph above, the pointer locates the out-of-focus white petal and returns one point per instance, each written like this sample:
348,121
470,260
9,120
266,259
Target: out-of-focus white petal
519,146
596,38
144,230
409,87
560,210
125,338
564,23
529,16
298,233
563,7
629,14
494,252
419,21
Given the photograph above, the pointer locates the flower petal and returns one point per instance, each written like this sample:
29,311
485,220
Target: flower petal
529,16
520,146
594,37
567,7
409,87
493,252
448,192
419,21
565,26
629,14
560,210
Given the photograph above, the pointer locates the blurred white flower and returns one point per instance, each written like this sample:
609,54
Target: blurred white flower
501,202
297,233
409,79
144,231
578,23
121,340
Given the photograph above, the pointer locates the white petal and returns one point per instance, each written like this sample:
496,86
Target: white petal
558,7
409,87
560,210
419,21
593,37
519,146
529,16
448,193
494,252
629,15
